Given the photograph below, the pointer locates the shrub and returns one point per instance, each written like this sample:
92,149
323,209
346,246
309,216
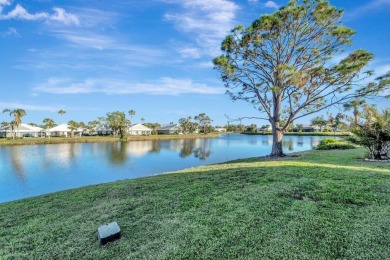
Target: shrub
329,144
374,133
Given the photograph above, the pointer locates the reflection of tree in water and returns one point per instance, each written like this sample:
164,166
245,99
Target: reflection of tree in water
188,148
300,141
17,162
289,144
202,152
72,151
118,153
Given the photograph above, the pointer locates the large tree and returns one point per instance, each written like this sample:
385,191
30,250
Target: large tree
118,123
282,64
18,113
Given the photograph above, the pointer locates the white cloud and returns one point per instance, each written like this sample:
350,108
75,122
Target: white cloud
164,86
14,105
20,13
371,6
60,15
207,21
11,32
4,3
379,71
271,4
189,52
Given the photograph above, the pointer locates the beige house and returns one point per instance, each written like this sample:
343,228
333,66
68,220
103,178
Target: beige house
24,130
139,129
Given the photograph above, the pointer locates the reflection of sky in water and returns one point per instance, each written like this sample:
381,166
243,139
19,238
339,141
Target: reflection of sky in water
38,169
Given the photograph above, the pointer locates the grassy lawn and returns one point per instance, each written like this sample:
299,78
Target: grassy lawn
321,205
96,139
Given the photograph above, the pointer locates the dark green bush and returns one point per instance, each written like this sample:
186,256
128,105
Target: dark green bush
329,144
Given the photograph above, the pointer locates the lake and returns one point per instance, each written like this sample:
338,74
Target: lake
30,170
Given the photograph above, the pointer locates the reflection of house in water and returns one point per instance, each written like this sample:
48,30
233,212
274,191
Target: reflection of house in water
62,153
267,141
139,148
300,141
314,141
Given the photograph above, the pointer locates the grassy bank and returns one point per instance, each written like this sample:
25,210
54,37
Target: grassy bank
321,205
304,133
97,139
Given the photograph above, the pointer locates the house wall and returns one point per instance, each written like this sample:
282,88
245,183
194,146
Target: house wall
140,132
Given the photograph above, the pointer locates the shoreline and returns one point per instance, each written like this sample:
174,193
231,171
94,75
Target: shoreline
330,134
98,139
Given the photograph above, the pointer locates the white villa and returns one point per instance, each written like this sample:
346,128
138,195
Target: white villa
24,130
265,128
169,129
220,129
139,129
103,130
63,130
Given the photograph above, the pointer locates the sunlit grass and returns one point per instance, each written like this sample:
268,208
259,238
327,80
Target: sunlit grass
320,205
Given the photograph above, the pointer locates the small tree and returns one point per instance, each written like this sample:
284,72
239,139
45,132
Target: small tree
335,123
319,121
185,124
374,133
299,127
153,126
204,121
91,126
280,64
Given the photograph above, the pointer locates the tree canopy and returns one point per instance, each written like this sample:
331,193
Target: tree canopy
282,64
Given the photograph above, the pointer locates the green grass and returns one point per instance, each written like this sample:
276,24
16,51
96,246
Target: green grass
96,139
321,205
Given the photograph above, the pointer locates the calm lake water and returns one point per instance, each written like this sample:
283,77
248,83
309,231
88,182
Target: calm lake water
31,170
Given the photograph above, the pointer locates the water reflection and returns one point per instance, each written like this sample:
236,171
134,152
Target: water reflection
16,159
40,169
118,154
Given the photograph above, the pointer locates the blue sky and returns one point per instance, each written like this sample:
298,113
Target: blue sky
92,57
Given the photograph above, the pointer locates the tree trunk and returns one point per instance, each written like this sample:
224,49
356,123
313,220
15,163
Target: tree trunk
277,147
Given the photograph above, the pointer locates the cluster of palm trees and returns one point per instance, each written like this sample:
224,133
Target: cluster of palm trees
17,113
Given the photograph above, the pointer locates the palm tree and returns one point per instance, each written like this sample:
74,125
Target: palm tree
142,120
4,125
131,114
61,112
355,105
18,113
73,126
49,123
